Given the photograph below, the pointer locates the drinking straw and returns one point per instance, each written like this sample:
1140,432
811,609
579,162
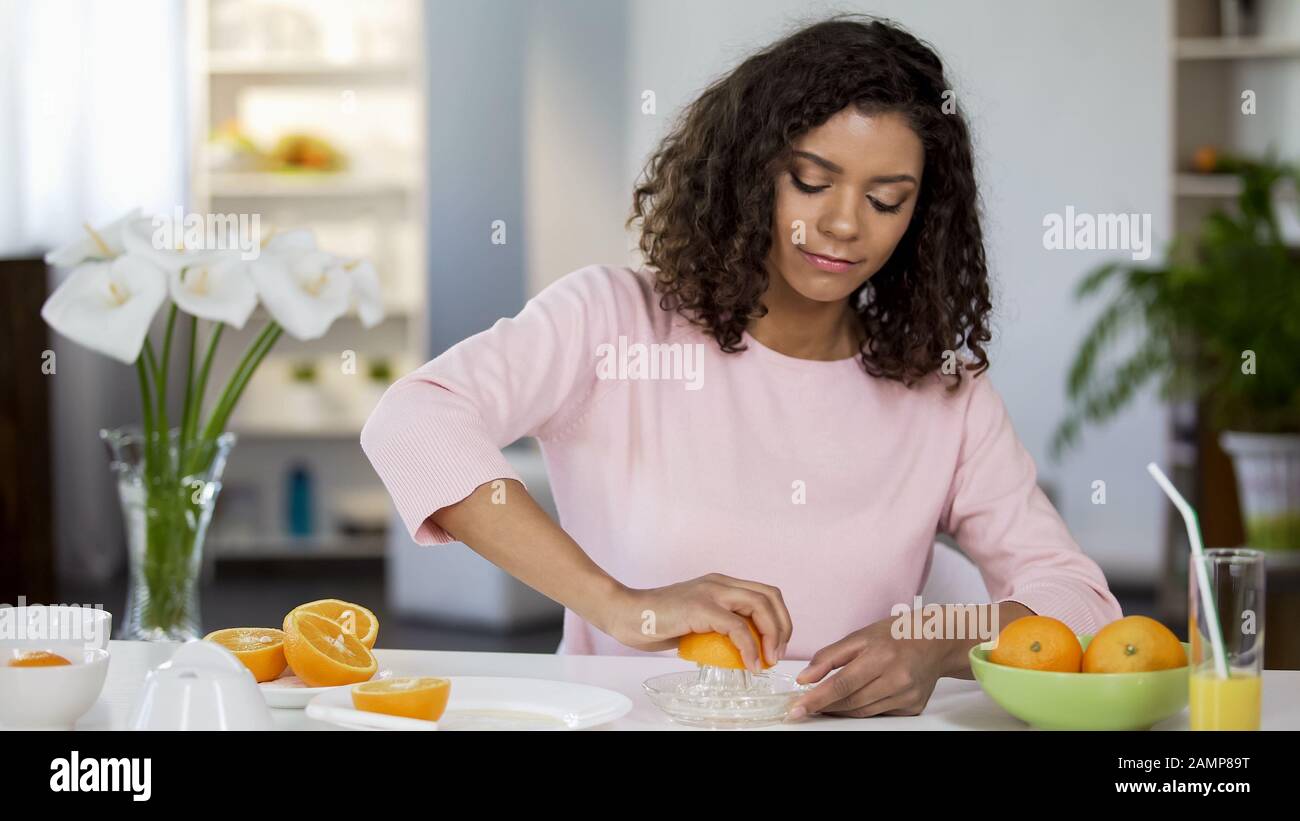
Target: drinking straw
1202,581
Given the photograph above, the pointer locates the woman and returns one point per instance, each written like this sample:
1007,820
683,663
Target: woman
777,414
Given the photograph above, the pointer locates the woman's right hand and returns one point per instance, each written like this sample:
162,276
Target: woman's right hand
656,618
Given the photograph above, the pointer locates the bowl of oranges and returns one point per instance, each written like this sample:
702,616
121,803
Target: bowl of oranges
1130,675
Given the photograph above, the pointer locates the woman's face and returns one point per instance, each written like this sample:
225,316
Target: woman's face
844,202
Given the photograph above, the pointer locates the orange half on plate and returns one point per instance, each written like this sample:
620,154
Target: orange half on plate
421,697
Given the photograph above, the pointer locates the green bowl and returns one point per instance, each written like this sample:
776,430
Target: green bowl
1082,701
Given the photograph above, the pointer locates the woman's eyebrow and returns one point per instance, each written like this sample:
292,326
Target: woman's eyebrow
822,161
835,169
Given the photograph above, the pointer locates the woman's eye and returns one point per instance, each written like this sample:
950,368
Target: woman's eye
805,187
883,208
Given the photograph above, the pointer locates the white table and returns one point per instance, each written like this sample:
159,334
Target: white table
955,705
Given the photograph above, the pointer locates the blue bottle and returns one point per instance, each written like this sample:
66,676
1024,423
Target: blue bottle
300,501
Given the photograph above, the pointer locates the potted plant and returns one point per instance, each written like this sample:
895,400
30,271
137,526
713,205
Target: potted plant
379,375
1219,323
303,399
169,467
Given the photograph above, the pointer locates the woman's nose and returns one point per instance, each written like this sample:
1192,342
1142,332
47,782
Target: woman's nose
841,221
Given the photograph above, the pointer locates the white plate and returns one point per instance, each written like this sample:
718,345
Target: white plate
289,691
489,703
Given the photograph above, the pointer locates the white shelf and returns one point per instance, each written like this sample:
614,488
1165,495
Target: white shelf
372,204
231,184
1234,48
1189,184
333,546
333,429
1219,186
236,66
400,311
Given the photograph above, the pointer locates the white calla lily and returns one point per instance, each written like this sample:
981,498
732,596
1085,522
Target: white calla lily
115,282
143,238
102,243
218,287
365,290
297,240
304,288
108,306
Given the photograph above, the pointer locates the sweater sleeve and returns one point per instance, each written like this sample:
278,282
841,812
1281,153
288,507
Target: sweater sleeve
1004,522
437,432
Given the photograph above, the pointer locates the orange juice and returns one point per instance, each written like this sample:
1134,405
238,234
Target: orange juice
1225,704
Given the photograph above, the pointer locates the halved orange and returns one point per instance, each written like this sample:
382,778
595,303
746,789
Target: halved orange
717,649
323,654
38,658
353,618
420,697
261,649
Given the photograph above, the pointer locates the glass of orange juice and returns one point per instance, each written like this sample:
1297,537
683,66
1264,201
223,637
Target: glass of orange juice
1234,578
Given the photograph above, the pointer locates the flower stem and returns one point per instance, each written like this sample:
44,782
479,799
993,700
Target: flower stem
239,380
164,429
253,357
151,435
201,386
146,402
189,392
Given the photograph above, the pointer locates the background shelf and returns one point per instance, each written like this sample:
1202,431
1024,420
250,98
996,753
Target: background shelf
351,75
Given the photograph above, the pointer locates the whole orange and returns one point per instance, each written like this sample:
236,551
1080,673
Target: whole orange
1206,159
1038,643
1134,644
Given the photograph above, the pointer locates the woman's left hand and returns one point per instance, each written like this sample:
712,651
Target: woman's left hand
884,675
879,675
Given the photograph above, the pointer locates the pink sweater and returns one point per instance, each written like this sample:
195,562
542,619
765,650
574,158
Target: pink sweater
810,476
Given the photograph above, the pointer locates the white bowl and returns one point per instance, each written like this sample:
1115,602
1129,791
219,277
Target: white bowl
50,698
56,627
202,687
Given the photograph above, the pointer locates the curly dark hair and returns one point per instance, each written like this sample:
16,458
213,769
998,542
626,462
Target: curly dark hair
707,196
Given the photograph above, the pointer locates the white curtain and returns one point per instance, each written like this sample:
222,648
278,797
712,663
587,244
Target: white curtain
92,124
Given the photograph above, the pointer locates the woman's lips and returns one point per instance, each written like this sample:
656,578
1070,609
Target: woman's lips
835,266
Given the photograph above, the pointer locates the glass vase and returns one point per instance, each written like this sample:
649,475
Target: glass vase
168,489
